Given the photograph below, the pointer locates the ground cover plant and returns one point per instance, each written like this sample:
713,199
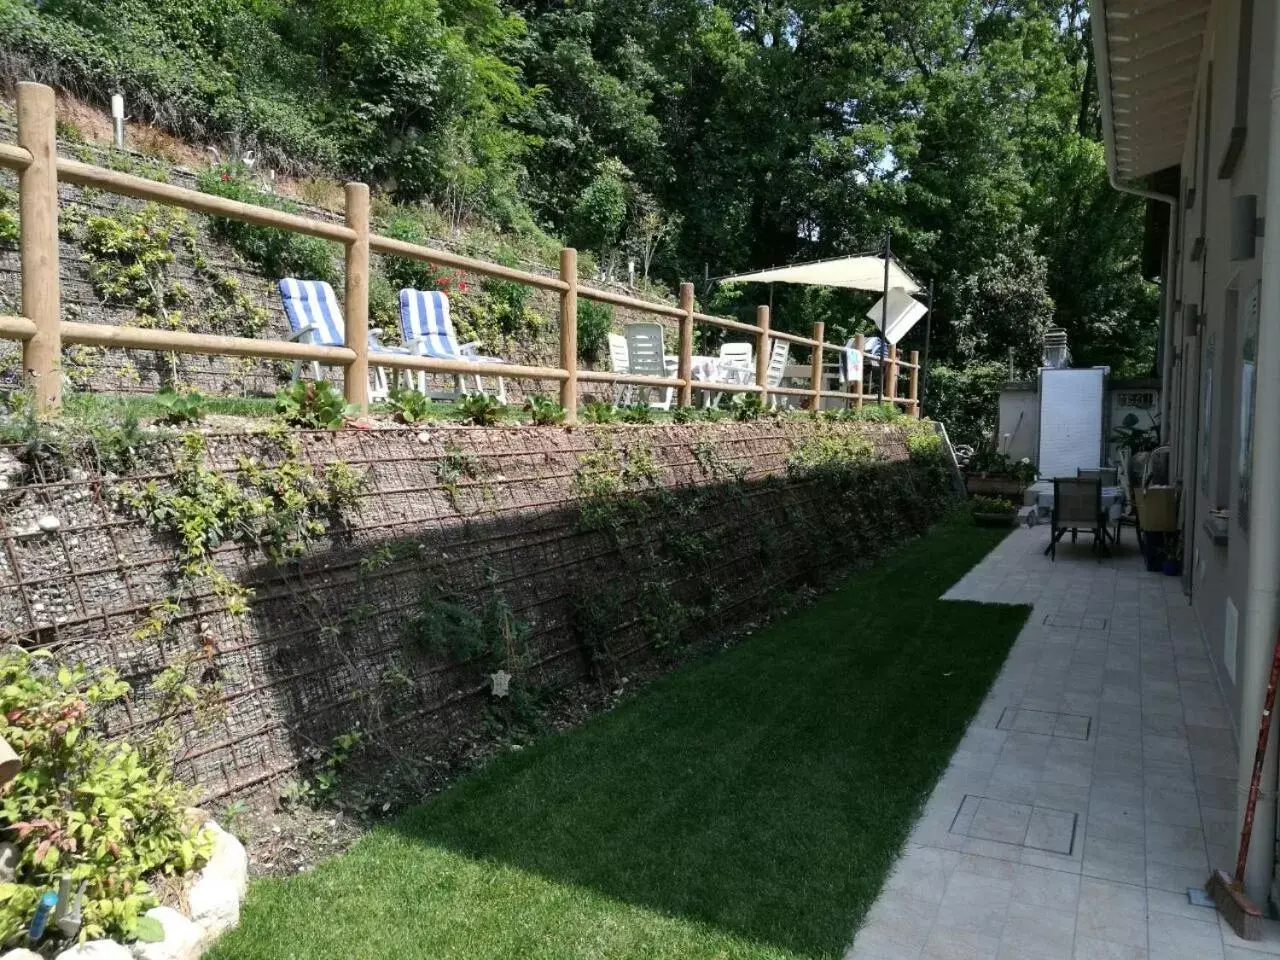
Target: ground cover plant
747,806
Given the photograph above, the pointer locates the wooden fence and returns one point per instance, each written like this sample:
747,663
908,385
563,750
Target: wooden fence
43,332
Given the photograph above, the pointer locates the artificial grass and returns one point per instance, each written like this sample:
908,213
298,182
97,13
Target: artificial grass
746,806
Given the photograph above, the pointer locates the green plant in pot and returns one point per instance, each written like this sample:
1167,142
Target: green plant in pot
992,511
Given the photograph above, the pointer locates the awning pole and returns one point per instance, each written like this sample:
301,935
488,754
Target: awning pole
884,310
924,366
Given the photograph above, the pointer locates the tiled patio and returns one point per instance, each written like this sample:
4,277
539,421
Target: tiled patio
1095,785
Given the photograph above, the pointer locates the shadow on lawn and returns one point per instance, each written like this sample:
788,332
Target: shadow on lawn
764,792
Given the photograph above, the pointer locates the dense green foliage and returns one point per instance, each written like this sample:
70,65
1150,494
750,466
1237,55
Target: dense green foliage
103,811
693,137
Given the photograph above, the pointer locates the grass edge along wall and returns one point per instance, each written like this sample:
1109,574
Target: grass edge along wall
747,806
295,587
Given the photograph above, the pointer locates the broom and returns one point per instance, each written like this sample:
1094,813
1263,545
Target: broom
1228,894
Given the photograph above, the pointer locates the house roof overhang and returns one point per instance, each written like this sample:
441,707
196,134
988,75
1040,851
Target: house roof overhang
1148,55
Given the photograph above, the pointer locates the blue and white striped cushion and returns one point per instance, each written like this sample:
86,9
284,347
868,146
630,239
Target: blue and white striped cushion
424,315
311,303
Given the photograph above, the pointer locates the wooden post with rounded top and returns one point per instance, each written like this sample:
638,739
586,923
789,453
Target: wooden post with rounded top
355,312
915,383
762,353
569,334
858,343
38,245
684,368
891,384
815,370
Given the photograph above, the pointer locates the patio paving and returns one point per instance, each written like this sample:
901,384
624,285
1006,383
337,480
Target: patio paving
1094,786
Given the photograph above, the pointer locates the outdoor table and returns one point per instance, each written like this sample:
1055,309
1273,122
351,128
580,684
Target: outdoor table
1113,502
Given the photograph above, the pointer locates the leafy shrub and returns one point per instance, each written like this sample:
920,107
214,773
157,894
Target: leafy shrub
279,253
993,505
967,400
315,404
10,229
481,410
595,321
545,411
990,463
637,413
747,406
105,812
597,412
684,415
410,406
180,407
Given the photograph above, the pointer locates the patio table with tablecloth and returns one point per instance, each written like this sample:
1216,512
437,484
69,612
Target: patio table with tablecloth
1113,501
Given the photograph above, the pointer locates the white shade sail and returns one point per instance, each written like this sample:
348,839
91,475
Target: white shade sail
904,313
855,273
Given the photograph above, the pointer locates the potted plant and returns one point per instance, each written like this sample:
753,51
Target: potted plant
1139,441
992,511
996,475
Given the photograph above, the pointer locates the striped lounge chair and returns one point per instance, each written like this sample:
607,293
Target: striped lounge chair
428,332
314,317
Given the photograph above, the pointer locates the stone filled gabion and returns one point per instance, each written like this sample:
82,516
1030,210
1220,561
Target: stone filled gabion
473,514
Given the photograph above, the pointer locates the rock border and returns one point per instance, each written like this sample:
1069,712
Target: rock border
213,904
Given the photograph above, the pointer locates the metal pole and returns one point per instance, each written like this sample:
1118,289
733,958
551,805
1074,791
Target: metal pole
924,365
884,310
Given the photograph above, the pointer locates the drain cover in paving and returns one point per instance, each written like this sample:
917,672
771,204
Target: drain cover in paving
1020,824
1069,726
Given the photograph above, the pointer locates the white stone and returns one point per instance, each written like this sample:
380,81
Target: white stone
97,950
8,862
183,940
48,523
21,954
424,438
214,899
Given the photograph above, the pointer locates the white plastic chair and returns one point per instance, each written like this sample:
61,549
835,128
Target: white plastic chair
646,359
779,355
314,317
620,362
428,332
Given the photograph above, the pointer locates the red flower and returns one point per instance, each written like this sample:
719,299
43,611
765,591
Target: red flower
462,286
226,177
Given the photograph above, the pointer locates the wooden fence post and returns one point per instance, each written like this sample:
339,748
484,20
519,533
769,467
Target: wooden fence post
38,245
762,353
915,382
891,384
569,334
355,378
858,342
815,370
684,368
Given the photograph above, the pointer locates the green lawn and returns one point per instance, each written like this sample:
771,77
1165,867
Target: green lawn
746,806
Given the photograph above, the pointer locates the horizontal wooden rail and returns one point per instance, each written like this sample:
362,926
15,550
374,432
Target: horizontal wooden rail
14,157
631,303
726,324
182,341
728,387
17,328
803,341
403,361
635,379
140,188
442,258
793,391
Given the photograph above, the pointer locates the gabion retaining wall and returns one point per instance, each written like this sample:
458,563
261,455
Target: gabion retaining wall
725,518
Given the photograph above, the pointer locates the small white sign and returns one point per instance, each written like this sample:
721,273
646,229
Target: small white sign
852,365
501,683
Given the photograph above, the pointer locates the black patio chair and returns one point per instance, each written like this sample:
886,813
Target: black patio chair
1077,505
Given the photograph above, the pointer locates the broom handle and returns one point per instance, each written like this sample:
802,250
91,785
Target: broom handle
1264,730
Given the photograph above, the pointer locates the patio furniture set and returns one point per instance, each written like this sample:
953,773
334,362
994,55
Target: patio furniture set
428,331
1093,501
